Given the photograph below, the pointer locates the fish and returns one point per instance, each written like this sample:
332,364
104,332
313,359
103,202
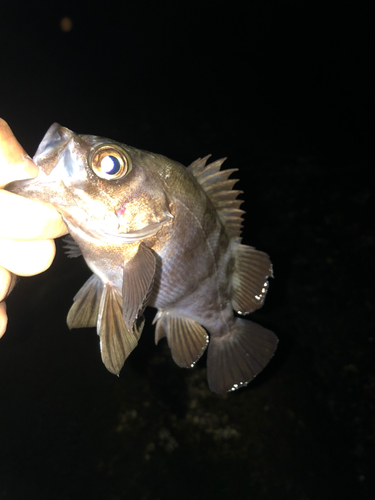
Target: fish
156,233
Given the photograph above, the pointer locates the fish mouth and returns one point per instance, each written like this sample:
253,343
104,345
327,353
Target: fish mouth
30,187
115,238
62,145
52,146
100,235
53,143
50,150
136,235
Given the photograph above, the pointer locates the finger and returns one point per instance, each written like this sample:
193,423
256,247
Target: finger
7,282
41,220
26,258
24,219
15,164
3,318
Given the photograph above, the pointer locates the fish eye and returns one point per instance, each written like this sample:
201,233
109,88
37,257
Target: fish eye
110,162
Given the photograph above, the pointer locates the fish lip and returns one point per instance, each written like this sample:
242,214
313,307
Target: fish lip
24,185
52,146
18,187
56,137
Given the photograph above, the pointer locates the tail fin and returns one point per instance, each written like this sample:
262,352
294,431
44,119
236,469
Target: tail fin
235,359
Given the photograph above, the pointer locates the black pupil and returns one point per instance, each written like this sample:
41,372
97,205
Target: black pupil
111,165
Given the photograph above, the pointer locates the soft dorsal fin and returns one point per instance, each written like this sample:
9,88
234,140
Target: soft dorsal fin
250,278
220,190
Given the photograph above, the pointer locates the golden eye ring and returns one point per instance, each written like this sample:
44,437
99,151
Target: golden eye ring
110,162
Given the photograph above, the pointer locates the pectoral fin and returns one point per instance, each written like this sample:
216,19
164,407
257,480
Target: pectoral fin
84,311
186,338
71,247
116,340
137,284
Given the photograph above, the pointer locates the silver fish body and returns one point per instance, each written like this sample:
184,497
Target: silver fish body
156,233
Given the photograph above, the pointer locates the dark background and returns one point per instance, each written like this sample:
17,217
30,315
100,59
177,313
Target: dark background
283,90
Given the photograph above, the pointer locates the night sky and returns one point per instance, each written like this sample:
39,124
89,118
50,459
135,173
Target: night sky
283,90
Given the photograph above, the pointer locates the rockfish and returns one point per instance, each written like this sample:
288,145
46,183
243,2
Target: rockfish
155,233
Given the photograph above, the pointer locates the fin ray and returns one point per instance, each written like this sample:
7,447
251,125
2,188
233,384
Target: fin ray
84,311
220,190
235,359
186,338
208,175
250,278
137,284
198,165
71,247
116,341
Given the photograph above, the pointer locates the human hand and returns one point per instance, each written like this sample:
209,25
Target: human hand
27,228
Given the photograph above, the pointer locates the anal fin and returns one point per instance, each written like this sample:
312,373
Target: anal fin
84,311
116,340
186,338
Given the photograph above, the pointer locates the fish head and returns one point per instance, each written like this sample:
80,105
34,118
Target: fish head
110,189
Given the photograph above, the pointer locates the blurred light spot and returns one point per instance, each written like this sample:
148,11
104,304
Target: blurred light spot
66,24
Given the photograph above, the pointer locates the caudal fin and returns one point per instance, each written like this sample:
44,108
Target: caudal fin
235,359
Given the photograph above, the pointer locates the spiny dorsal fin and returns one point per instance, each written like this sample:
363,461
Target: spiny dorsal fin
198,165
220,190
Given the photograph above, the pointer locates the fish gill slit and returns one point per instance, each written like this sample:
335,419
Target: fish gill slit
215,265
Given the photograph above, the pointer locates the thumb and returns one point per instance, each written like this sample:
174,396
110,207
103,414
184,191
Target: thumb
15,164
